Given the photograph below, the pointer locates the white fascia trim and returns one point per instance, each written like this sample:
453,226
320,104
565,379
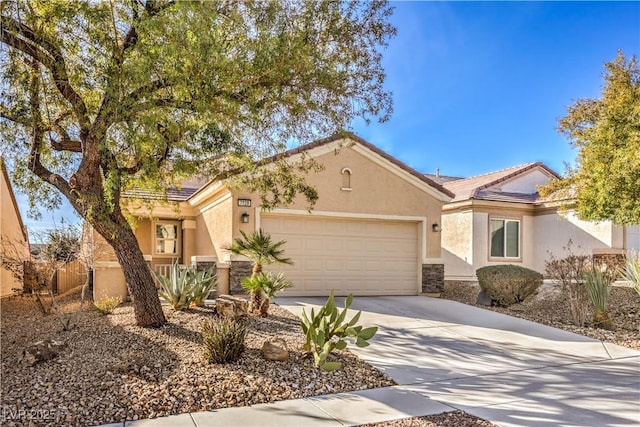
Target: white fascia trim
211,190
421,185
351,215
215,203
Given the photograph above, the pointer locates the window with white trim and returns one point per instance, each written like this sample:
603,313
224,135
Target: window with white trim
504,238
167,238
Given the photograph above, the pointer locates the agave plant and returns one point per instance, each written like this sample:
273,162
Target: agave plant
261,250
631,270
185,286
267,285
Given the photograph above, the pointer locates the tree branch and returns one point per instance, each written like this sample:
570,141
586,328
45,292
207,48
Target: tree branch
23,38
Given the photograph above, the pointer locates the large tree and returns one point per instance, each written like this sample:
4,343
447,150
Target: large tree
100,96
605,182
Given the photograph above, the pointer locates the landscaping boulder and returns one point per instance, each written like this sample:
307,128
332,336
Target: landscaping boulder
272,351
484,298
229,306
42,351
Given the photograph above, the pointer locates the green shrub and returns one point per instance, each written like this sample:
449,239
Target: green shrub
508,284
185,286
268,285
598,285
631,270
223,339
106,305
327,330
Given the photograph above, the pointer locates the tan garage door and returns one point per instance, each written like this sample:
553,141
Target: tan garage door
349,255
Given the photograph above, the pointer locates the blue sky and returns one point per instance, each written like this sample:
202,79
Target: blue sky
479,86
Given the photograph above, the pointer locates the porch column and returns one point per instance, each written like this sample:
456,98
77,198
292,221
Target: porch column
188,240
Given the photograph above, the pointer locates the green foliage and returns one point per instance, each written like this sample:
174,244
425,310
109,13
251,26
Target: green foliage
328,329
223,339
158,90
260,249
106,305
185,286
268,283
631,270
508,284
605,183
598,284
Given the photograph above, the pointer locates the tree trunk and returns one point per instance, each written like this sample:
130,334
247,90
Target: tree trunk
142,289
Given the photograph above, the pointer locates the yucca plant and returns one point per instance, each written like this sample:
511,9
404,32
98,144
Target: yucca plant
268,285
185,286
261,250
631,270
598,285
223,339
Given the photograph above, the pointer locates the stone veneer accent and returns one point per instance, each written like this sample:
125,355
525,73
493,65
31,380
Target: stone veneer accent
432,278
238,271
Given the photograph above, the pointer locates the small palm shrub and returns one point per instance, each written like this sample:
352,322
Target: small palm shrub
106,305
598,285
268,285
185,286
631,270
261,250
508,284
328,329
223,339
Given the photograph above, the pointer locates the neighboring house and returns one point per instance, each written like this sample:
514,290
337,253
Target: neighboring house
498,218
373,231
14,241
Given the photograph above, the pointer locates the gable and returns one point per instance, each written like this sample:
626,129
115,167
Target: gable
525,183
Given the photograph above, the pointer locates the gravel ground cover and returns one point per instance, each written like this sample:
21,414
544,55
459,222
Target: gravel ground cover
113,370
446,419
550,308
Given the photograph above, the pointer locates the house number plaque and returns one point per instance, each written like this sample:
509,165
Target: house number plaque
244,202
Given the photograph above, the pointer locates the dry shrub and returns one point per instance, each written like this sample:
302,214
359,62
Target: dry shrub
223,339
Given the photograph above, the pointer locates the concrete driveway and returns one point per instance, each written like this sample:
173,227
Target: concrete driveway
507,370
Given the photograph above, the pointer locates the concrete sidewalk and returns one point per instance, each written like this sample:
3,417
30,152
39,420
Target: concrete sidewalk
366,406
446,356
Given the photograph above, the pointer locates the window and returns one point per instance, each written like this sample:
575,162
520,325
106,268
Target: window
167,238
346,179
505,238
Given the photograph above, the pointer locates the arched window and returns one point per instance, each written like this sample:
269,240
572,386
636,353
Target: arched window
346,179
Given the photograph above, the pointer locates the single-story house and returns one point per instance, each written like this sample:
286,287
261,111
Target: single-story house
14,241
499,218
373,231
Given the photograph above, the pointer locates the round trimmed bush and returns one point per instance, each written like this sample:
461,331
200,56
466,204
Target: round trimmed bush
508,284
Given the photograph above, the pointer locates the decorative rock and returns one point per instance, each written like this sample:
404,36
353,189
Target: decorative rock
484,299
517,308
42,351
274,352
229,306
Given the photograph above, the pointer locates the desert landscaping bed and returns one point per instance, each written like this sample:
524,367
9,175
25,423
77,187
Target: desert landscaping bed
112,370
550,308
446,419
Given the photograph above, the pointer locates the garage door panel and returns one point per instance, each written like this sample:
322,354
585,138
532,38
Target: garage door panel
363,257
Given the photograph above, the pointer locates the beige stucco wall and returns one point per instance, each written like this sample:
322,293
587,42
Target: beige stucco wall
12,236
374,190
457,245
465,240
214,227
108,281
553,232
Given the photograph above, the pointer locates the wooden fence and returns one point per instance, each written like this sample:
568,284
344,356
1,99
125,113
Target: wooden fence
70,275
